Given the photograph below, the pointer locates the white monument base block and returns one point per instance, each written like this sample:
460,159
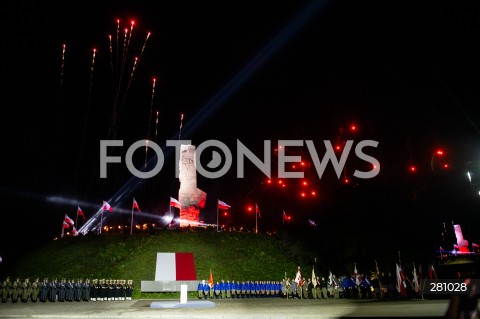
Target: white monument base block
176,304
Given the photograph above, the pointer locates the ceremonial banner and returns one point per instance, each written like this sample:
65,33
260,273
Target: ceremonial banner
175,267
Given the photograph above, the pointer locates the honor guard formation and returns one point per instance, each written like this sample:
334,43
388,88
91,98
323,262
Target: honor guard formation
65,290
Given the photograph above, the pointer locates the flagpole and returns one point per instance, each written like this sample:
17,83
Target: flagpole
63,229
256,219
101,222
218,203
131,222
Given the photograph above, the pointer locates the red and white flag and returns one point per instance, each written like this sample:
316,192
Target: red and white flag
69,220
401,281
416,280
257,210
80,213
135,205
175,203
223,205
74,231
65,225
106,206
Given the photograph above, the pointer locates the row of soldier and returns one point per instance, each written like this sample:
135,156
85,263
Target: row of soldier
237,289
65,290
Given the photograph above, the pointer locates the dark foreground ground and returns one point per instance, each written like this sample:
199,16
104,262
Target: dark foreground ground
231,308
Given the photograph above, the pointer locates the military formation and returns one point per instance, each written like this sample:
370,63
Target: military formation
65,290
236,289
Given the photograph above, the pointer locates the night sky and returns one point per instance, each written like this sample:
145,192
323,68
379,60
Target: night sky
405,74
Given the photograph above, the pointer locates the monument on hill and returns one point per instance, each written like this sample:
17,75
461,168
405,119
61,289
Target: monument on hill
191,197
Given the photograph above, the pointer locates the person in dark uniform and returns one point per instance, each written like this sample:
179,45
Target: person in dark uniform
122,289
62,290
323,287
17,286
309,289
26,290
7,289
104,290
35,290
233,289
111,290
77,290
43,290
93,290
86,290
288,288
129,289
52,290
69,288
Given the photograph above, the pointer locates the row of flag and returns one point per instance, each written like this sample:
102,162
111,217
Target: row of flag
68,222
401,283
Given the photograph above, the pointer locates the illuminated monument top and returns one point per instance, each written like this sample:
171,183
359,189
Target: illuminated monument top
191,198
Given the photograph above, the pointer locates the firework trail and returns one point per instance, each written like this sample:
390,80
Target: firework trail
62,66
150,120
135,62
156,127
181,124
116,52
144,44
124,58
92,69
129,38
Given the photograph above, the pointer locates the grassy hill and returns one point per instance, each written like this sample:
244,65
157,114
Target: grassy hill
230,255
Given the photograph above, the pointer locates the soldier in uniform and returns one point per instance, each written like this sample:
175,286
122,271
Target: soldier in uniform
228,289
294,289
69,288
7,289
44,290
238,290
304,288
104,290
122,289
324,286
233,288
53,291
77,290
111,290
335,287
288,288
212,291
26,290
300,289
129,289
200,289
62,290
35,289
17,286
86,290
216,290
93,290
206,291
223,289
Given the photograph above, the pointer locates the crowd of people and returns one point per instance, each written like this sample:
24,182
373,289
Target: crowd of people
357,286
65,290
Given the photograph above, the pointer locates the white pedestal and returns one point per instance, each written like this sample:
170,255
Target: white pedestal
183,293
